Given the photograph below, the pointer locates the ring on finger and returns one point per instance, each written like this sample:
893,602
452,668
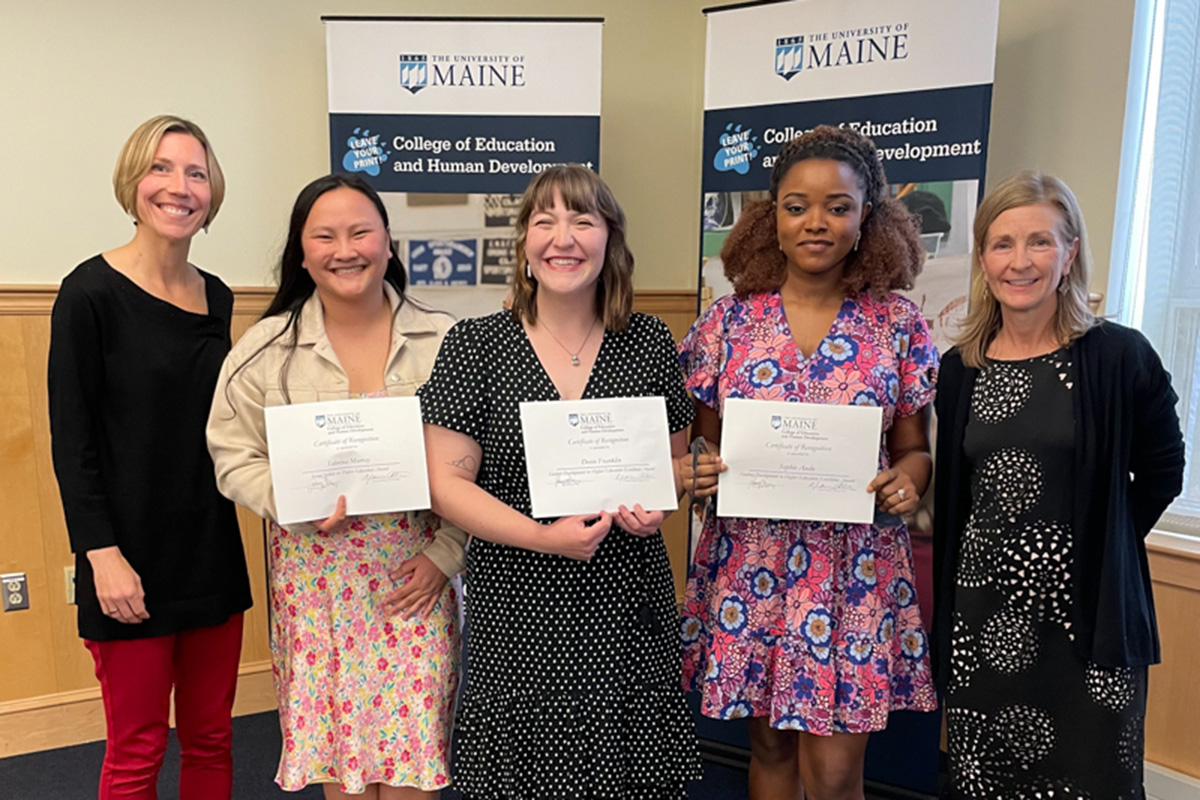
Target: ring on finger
900,494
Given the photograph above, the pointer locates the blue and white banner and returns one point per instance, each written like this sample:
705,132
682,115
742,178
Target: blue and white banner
461,105
914,75
450,119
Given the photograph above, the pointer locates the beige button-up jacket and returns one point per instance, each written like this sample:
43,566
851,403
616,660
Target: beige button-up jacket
237,437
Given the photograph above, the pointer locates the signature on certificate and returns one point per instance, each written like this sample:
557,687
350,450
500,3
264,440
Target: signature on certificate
391,476
320,481
562,479
831,485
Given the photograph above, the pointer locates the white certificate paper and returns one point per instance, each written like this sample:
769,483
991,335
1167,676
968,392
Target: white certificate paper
588,456
798,460
371,450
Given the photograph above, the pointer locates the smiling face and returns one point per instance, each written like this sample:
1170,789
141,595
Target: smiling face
346,246
1025,257
819,211
174,197
565,248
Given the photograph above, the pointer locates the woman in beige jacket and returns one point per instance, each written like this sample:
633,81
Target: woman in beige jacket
364,637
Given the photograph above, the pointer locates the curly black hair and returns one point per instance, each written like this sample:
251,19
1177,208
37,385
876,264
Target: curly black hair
889,255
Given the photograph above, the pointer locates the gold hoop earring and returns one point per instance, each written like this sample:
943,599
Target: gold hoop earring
857,239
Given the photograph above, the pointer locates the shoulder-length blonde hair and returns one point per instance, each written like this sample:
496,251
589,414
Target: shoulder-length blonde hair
585,193
137,156
1073,317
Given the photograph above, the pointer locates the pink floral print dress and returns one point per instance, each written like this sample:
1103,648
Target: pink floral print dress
812,624
363,697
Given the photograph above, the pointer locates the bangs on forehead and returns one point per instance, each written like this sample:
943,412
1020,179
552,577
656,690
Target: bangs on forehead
577,193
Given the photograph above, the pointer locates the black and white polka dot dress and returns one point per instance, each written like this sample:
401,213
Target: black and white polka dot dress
573,682
1028,718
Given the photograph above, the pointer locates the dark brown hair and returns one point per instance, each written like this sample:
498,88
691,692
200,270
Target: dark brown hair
585,193
889,255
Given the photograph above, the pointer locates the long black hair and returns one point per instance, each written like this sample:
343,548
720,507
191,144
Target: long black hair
296,285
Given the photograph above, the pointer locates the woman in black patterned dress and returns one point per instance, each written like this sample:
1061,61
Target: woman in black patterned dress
1058,448
573,684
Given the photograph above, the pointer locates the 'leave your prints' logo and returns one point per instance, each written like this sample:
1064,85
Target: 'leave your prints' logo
738,148
414,72
789,56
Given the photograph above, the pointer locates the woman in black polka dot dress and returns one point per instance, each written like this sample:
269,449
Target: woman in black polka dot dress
573,657
1045,622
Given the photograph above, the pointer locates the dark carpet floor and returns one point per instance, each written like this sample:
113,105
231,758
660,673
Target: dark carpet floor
72,773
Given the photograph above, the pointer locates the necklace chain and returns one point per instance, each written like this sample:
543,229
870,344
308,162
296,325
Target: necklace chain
574,356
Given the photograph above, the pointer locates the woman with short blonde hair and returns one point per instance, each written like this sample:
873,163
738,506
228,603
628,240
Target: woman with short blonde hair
137,337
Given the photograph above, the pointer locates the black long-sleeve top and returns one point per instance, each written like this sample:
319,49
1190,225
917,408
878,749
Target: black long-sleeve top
131,378
1129,460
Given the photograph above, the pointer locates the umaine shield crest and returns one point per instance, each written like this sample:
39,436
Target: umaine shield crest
573,419
789,56
320,420
776,422
414,72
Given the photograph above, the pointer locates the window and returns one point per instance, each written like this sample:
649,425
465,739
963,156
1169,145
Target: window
1154,284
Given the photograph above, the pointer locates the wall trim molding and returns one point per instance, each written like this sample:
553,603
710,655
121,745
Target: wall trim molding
27,300
1167,784
70,718
38,299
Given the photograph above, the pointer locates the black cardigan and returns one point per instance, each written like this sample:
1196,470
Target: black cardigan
1129,459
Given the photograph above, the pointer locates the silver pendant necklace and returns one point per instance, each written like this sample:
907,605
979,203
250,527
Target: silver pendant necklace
574,356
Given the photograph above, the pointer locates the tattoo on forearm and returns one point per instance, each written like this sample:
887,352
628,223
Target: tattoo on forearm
467,462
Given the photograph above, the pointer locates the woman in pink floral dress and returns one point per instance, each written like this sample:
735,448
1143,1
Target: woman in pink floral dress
364,633
811,629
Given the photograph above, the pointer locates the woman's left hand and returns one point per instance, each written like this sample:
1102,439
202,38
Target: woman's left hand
638,521
421,584
895,492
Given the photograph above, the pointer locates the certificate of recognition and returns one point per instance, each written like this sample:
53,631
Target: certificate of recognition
798,460
588,456
370,450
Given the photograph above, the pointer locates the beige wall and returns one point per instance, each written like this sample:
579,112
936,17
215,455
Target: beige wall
76,77
1059,102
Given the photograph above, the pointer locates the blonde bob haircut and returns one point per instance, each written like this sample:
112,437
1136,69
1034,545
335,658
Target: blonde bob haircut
584,193
1073,317
137,156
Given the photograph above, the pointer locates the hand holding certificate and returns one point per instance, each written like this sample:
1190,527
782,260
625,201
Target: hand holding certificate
586,456
372,451
799,460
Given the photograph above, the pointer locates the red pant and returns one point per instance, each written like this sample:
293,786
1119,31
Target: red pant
136,677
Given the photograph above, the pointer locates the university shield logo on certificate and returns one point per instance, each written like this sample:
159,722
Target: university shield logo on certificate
789,56
776,421
320,420
573,419
414,72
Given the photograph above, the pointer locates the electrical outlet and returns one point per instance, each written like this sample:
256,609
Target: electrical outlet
15,591
69,579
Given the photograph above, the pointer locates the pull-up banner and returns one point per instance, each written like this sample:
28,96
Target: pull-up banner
461,105
914,75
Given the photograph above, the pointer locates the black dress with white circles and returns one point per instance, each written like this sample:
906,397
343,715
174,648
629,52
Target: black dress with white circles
573,685
1028,717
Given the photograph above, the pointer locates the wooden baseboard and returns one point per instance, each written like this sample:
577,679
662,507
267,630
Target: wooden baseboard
71,718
